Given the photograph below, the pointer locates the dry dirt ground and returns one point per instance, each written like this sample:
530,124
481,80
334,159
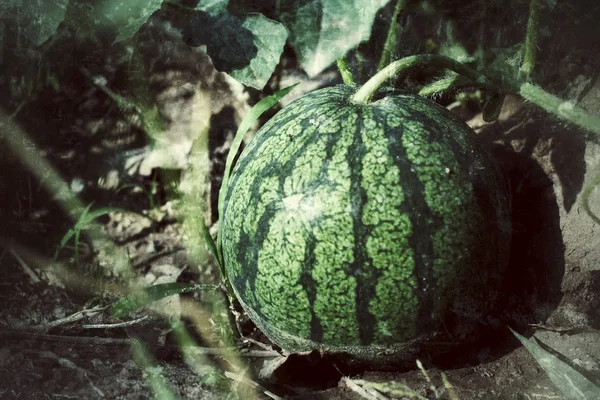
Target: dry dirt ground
57,342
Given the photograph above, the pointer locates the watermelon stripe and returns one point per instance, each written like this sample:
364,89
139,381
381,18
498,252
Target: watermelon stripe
421,218
283,240
308,282
448,195
310,278
335,300
366,277
301,160
394,302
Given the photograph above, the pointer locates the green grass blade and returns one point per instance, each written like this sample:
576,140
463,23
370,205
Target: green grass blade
255,113
73,231
345,71
84,220
75,228
142,297
212,247
568,380
159,385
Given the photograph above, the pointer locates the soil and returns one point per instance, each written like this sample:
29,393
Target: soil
58,340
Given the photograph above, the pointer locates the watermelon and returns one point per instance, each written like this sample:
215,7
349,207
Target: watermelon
359,226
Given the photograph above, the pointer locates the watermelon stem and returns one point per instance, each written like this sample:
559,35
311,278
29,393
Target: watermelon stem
530,41
406,64
440,86
392,37
563,109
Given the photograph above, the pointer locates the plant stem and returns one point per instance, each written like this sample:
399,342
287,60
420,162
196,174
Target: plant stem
530,41
442,85
392,37
562,109
345,71
404,65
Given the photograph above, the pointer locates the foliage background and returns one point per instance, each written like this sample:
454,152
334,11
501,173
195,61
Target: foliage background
116,120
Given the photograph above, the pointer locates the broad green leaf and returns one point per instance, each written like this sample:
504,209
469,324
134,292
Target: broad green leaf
567,379
269,37
142,297
247,47
322,31
37,20
212,7
122,18
228,42
128,15
505,67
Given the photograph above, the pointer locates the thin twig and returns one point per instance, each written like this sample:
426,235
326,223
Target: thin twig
216,351
262,345
115,325
63,362
78,316
571,330
25,267
587,191
121,102
356,388
27,334
21,334
395,389
251,383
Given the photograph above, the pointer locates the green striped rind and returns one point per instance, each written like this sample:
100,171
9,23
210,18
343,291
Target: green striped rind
350,225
